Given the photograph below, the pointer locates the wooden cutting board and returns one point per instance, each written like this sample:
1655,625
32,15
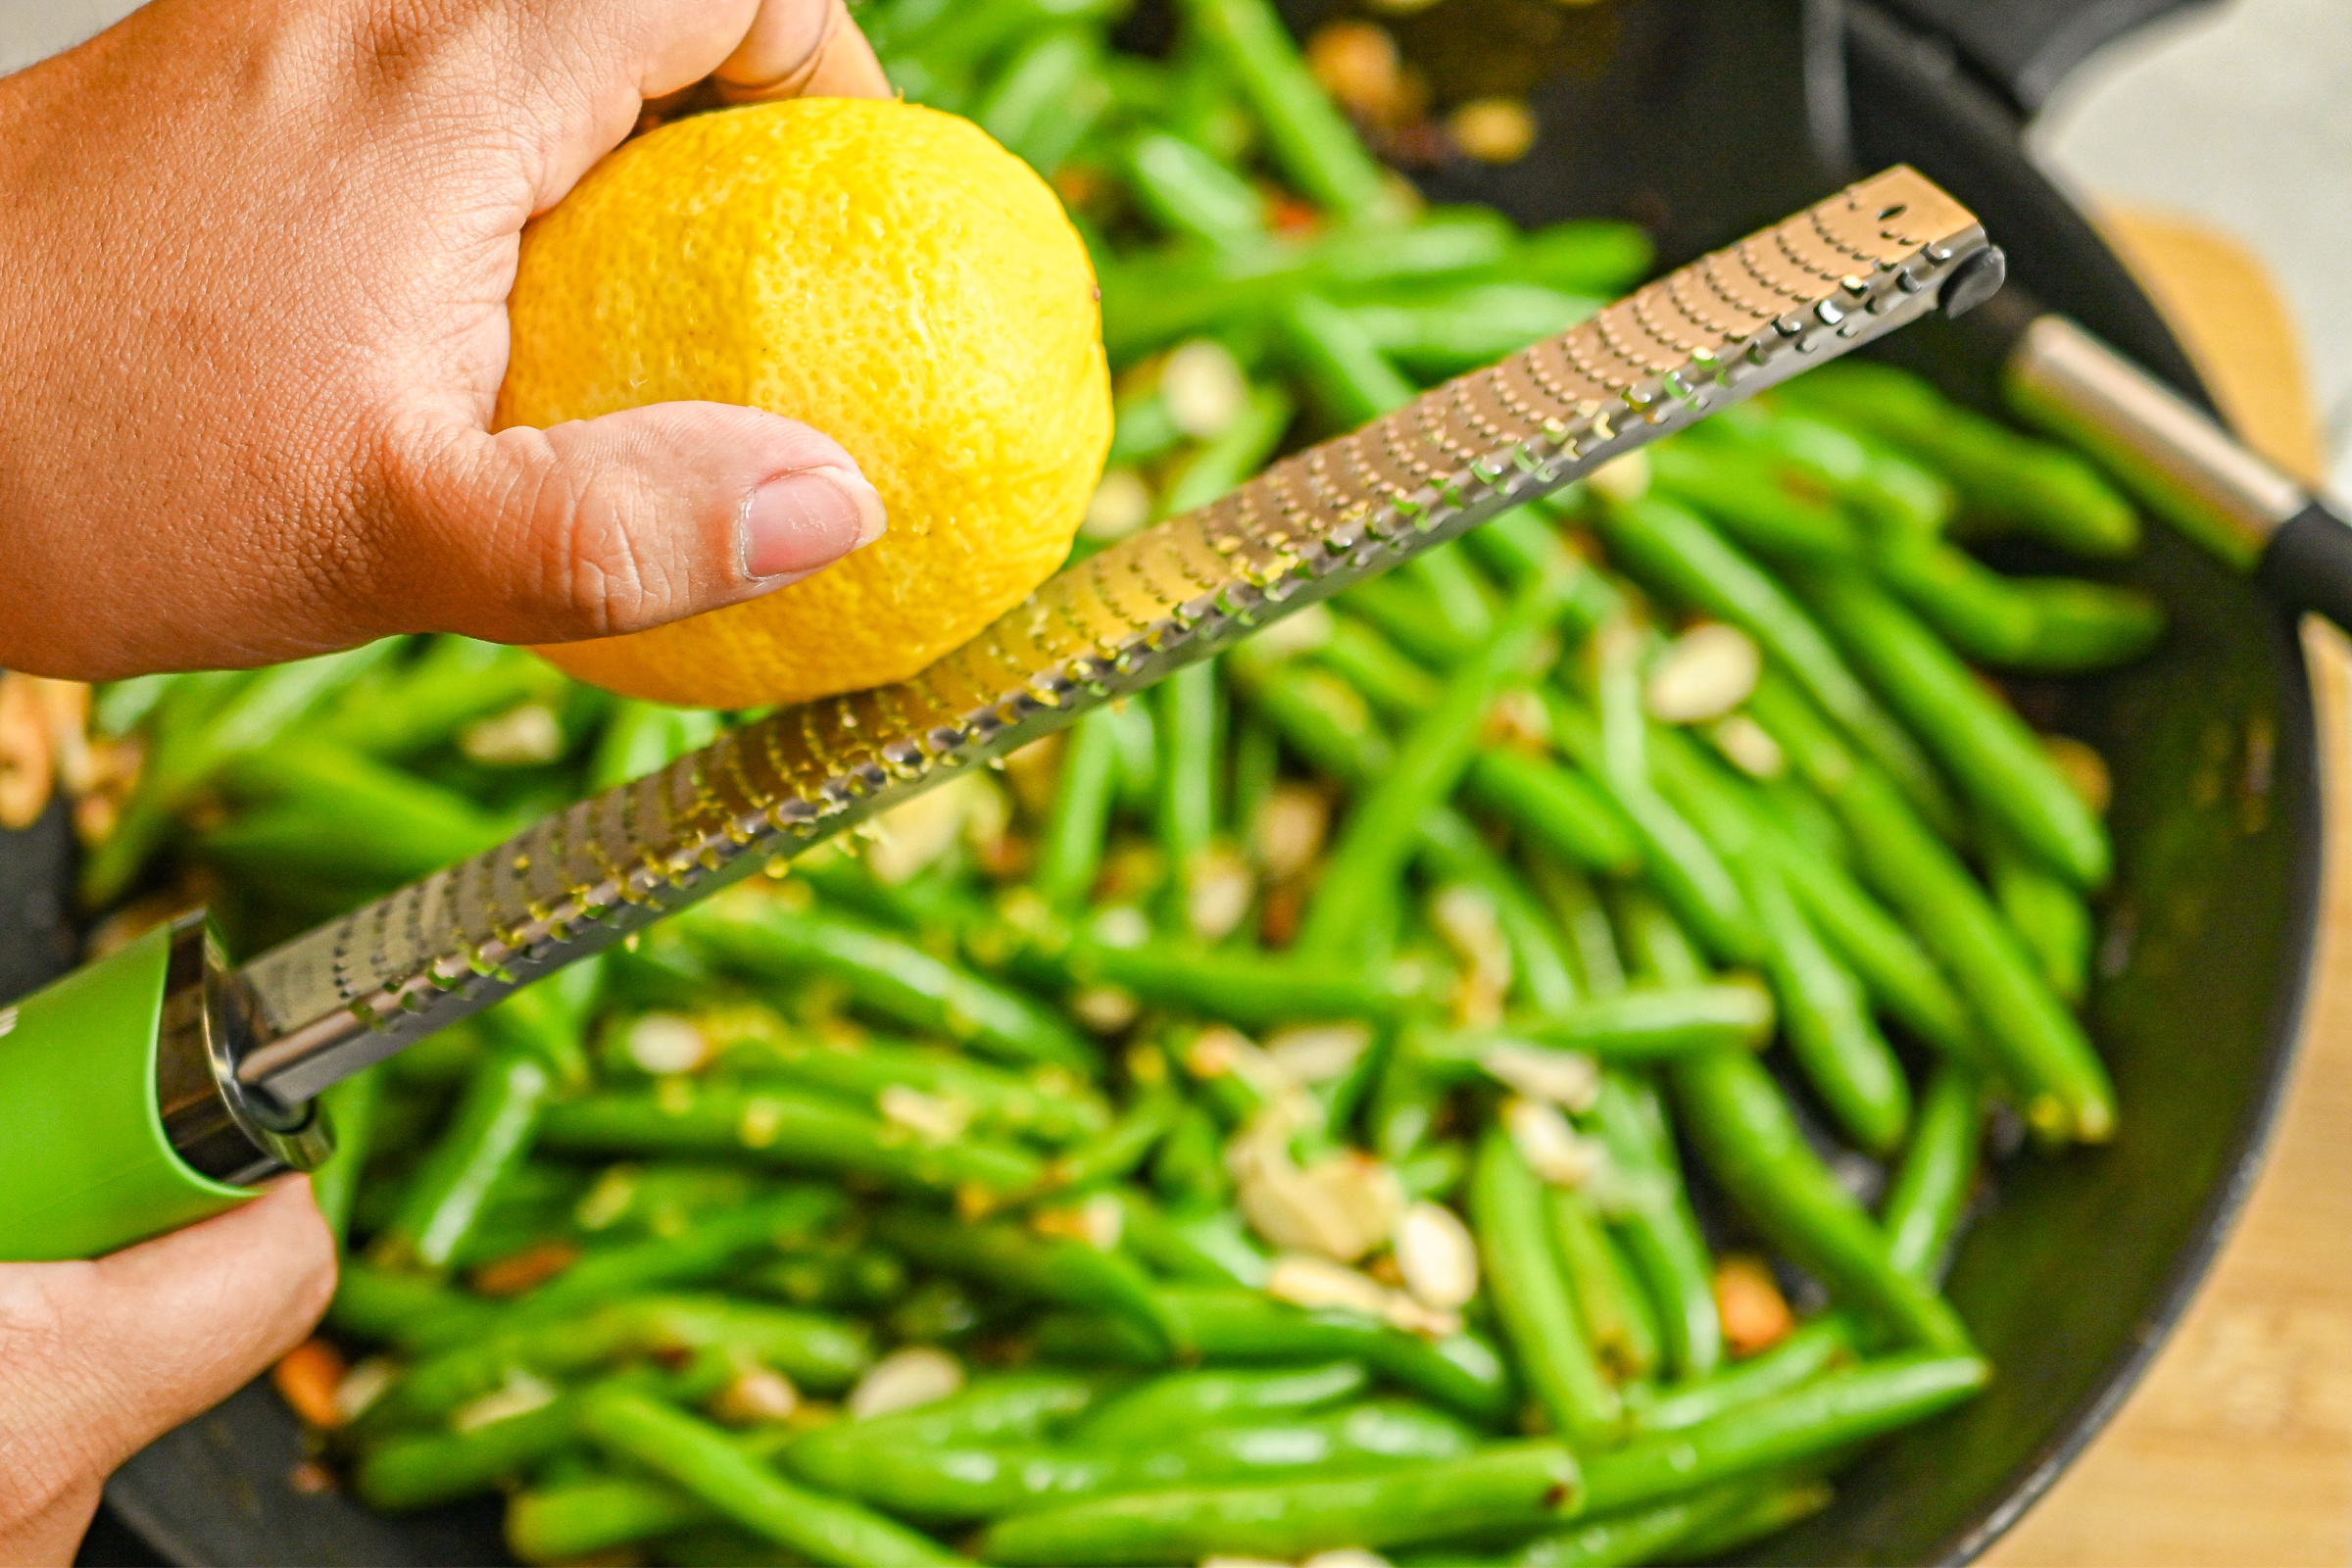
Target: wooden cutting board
2238,1446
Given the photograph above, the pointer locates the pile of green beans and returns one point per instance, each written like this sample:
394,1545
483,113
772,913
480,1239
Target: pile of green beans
1272,1117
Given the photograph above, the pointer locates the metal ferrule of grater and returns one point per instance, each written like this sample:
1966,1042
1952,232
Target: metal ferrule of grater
329,1003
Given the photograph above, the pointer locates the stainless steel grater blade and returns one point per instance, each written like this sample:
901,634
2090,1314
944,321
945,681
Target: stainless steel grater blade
1833,277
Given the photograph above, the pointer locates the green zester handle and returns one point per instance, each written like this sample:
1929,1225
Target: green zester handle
90,1168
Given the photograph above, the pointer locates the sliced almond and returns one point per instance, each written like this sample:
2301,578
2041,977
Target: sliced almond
1750,746
919,1374
934,1118
362,1386
520,737
1550,1145
1318,1052
1436,1256
1217,893
307,1378
757,1397
1624,478
520,1394
1120,506
1204,388
27,767
911,836
1289,829
1702,674
665,1044
1318,1282
1566,1078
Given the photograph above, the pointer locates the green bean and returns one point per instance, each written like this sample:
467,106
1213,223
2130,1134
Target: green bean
201,724
887,974
1182,1402
1381,830
1047,96
1653,1023
1751,497
1030,1266
703,1462
781,1127
351,1109
314,792
1607,1299
786,1217
1241,987
2081,626
1142,428
1900,976
1533,1300
1398,686
2045,911
1185,810
1583,922
1003,1409
1460,1371
1044,1105
1191,192
1257,758
1653,1218
1894,494
1586,256
1070,848
1764,1512
2039,1047
1508,1486
1121,1147
1307,135
1636,1536
2010,480
1351,378
1829,1026
1797,1359
1680,863
1233,455
1153,300
422,1471
818,1351
487,1137
1408,612
455,681
1743,1128
1820,1417
1995,759
641,737
1559,808
1461,329
581,1518
835,1278
407,1310
1450,849
660,1199
940,1486
1680,553
1524,544
1928,1197
1188,1170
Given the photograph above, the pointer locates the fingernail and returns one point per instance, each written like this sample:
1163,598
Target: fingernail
797,523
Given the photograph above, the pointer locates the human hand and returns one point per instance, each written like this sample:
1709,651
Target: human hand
257,254
97,1360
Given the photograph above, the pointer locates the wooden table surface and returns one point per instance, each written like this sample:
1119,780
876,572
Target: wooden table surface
2237,1447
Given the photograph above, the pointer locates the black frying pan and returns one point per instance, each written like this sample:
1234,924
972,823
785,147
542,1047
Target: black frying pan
1705,119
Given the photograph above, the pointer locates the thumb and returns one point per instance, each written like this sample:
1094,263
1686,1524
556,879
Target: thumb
614,525
98,1359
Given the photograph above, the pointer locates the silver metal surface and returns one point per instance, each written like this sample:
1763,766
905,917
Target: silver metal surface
2173,456
226,1129
1836,275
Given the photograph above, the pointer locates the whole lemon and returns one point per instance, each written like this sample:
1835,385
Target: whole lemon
884,272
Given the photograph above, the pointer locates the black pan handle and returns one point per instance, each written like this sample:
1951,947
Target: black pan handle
2179,461
2024,48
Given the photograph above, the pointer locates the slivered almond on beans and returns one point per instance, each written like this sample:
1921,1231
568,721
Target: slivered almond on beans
307,1378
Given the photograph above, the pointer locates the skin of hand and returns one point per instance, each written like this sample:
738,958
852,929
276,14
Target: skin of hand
257,254
97,1360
